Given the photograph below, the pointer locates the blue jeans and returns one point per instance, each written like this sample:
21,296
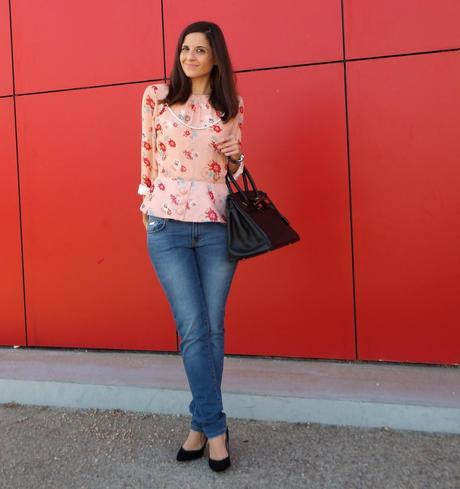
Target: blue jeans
191,262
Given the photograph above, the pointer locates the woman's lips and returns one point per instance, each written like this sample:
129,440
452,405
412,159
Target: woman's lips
191,66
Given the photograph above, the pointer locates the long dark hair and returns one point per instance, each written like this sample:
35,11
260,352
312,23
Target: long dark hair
223,95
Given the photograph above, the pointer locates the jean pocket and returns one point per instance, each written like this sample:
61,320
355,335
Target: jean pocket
155,224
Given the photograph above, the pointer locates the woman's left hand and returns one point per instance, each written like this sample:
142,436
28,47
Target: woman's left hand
230,146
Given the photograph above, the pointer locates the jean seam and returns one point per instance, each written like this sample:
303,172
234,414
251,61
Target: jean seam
210,356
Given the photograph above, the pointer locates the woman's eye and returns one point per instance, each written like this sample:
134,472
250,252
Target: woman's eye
199,50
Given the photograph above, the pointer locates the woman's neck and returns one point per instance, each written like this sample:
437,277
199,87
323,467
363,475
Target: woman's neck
200,87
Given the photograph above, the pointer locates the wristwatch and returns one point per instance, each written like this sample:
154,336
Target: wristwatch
239,160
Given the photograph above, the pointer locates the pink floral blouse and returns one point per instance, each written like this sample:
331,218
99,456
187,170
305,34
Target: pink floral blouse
182,173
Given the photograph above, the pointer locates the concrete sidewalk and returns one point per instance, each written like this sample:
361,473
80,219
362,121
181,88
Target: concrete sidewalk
284,418
64,448
408,397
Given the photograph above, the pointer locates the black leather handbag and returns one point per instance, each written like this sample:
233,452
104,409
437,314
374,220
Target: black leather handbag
254,224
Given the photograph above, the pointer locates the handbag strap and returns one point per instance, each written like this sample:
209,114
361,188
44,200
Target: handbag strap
229,178
259,195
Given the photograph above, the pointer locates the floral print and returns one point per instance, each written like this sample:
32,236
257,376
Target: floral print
182,173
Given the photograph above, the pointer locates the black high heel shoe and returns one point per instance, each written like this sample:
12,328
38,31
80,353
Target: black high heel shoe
183,455
219,465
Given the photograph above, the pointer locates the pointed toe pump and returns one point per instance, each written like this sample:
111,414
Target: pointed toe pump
219,465
183,455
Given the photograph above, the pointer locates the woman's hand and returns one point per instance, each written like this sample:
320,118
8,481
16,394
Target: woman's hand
145,220
230,146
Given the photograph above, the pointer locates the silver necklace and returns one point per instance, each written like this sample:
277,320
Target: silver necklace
193,127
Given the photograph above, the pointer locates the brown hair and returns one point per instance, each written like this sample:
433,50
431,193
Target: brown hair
223,95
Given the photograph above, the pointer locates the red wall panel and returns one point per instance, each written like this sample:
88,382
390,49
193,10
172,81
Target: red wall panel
297,301
393,27
89,281
6,78
264,34
61,45
12,327
406,206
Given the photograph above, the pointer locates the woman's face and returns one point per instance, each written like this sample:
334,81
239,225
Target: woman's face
196,55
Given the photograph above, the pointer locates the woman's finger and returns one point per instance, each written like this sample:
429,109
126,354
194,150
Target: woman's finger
231,144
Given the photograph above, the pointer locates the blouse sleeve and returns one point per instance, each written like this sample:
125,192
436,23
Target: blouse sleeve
237,128
149,167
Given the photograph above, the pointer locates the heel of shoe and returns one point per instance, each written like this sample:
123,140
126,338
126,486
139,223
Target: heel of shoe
219,465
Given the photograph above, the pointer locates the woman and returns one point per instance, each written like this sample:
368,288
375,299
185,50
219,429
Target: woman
191,137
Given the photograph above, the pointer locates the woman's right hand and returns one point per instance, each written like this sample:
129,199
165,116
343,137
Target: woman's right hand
145,220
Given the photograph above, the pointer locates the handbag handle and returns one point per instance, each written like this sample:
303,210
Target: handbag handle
246,174
259,195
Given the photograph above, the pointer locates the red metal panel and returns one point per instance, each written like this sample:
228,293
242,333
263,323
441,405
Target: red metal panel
393,27
12,330
89,281
404,147
6,78
297,301
73,44
264,34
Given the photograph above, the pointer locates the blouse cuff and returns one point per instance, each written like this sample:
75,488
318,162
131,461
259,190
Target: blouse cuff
239,171
143,189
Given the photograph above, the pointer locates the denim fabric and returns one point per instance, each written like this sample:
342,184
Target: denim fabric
191,262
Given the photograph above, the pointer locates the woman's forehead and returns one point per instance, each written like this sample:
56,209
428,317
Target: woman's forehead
196,39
